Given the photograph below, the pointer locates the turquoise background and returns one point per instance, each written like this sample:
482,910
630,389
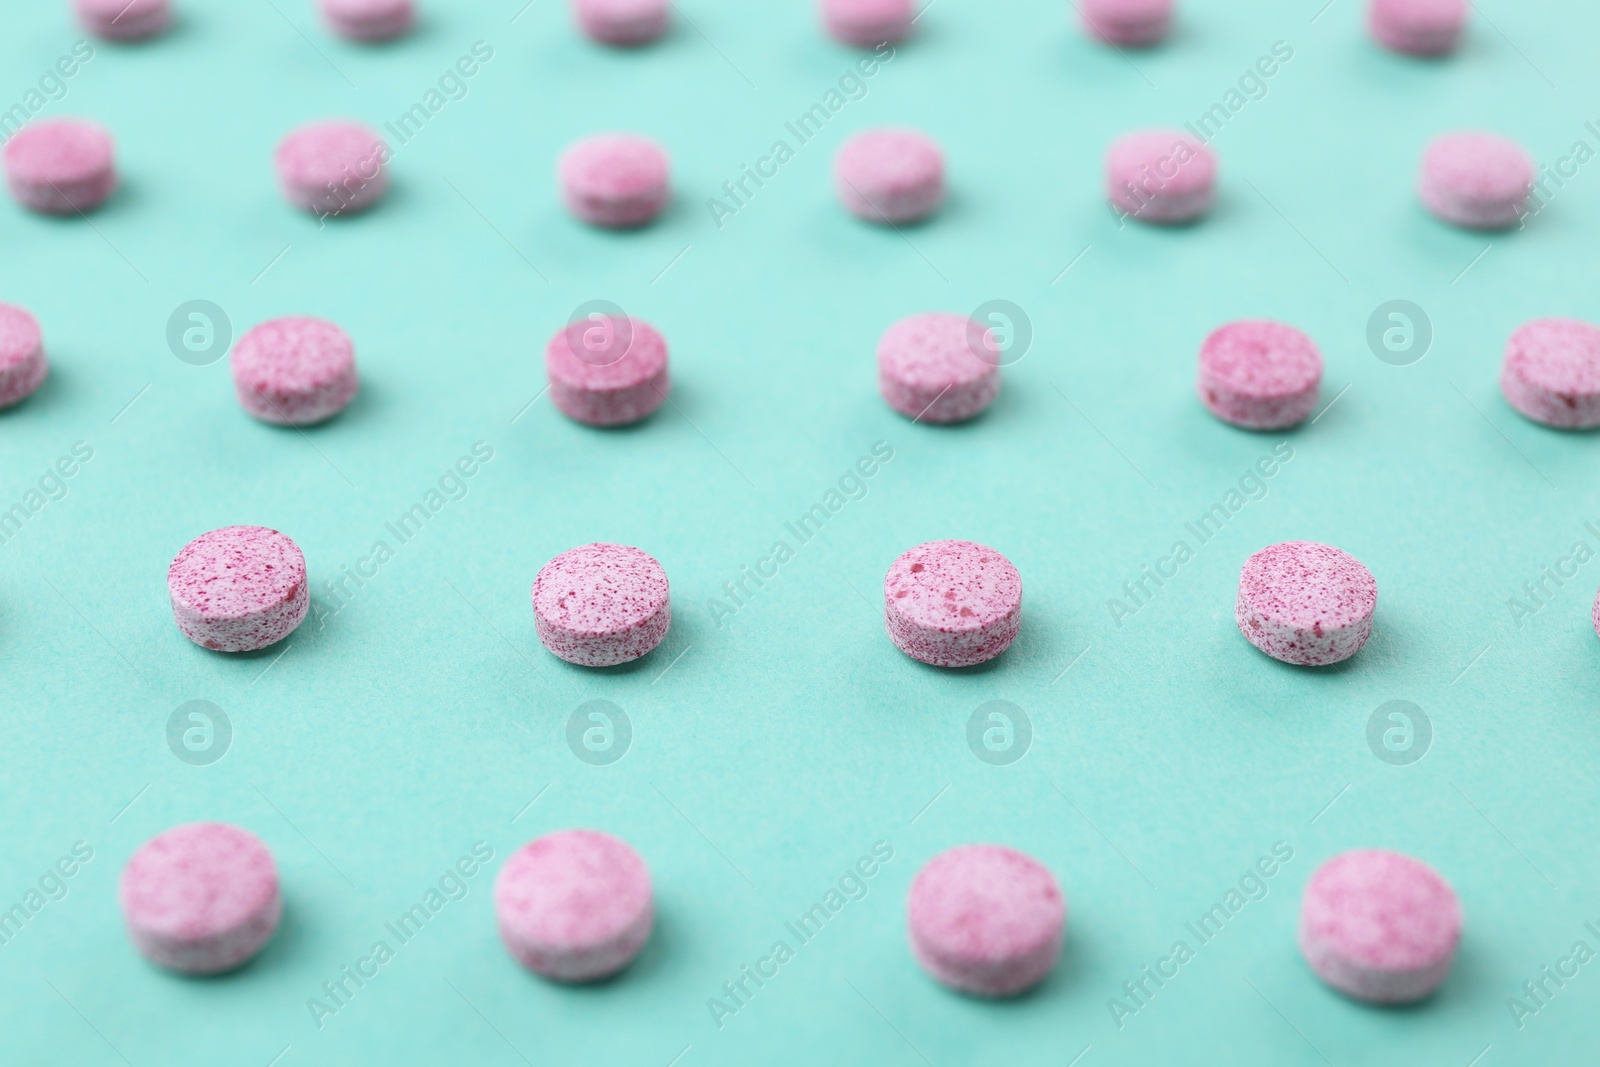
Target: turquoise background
769,754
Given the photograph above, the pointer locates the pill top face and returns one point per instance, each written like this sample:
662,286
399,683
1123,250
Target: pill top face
954,585
296,370
606,352
1306,603
939,367
58,151
1552,372
600,589
890,175
1475,179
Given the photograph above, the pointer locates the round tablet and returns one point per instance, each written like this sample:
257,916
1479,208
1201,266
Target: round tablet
294,371
615,180
123,20
1306,603
1163,176
622,23
60,166
607,370
600,605
939,367
890,175
986,919
201,898
22,363
868,22
1417,27
368,20
331,168
1552,373
1380,926
952,603
1476,180
239,588
574,905
1259,374
1128,23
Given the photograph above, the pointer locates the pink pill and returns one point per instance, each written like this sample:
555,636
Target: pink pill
622,23
1161,176
23,366
1417,27
1259,374
1552,373
939,367
333,168
868,22
600,605
1476,180
239,588
986,919
60,166
1306,603
1129,23
615,180
952,603
368,20
574,905
1380,926
294,371
201,898
890,175
123,20
607,370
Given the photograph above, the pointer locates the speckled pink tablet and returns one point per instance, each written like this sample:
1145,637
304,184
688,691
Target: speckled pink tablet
1128,23
607,370
23,366
1552,373
986,919
952,603
574,905
622,23
890,175
239,588
1161,176
201,898
868,22
294,371
60,166
1259,374
615,180
368,20
1380,926
1306,603
333,168
939,367
1479,181
1417,27
600,605
123,20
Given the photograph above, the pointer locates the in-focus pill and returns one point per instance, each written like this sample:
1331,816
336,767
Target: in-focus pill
607,370
602,604
1306,603
938,367
60,166
368,20
1417,27
622,23
615,180
1126,23
986,919
23,367
1479,181
1259,374
123,20
1380,926
294,371
952,603
1161,176
575,905
201,898
333,168
890,175
868,23
1551,373
239,588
